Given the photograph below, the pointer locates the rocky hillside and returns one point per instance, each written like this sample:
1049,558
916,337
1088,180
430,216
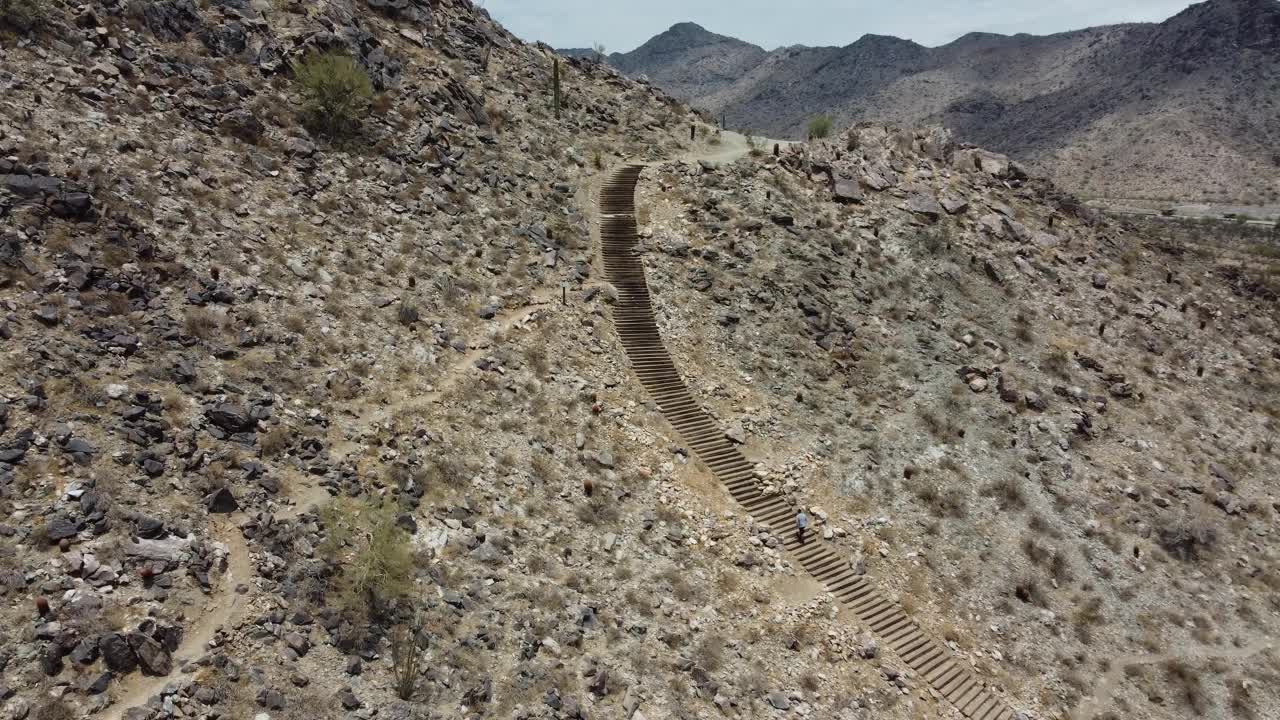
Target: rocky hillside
1052,436
269,394
312,407
1181,109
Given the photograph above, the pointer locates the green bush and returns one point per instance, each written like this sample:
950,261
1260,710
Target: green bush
378,566
336,93
819,127
23,15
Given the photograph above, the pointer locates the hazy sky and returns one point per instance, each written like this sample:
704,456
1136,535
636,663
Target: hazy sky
624,25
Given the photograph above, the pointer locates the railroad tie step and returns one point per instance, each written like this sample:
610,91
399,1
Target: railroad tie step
636,325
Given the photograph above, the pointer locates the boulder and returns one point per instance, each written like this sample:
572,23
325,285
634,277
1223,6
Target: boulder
59,527
243,125
117,653
954,205
168,550
875,181
348,698
85,651
170,20
1044,239
923,204
221,501
230,417
229,38
297,643
979,160
153,657
847,193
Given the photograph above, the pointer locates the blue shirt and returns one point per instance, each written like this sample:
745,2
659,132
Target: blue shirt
802,520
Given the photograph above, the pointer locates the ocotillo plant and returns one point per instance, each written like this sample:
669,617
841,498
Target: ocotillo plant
406,654
555,87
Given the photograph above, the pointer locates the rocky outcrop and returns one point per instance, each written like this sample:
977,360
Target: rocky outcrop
63,198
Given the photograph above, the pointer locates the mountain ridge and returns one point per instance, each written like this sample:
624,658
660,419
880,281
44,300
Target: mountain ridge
1181,108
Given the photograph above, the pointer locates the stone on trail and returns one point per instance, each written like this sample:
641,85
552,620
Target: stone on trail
153,656
221,501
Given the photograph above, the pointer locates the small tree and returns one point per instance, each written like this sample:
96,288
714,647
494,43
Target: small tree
336,93
379,570
599,50
819,127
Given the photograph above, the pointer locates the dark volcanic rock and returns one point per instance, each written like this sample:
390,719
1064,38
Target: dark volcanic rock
221,501
170,19
59,527
118,653
154,657
230,417
225,39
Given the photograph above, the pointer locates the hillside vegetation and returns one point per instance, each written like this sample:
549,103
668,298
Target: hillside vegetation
312,405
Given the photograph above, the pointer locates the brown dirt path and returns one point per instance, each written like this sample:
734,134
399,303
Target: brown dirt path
223,607
1105,690
220,609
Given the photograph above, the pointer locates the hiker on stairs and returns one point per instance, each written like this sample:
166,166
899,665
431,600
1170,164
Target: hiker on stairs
802,523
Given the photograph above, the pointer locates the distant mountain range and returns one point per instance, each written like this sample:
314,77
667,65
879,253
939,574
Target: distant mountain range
1186,108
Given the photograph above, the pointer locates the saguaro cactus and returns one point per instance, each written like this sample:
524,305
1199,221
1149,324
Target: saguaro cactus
555,87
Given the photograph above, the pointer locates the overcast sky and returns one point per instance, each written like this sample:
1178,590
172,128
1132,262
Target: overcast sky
623,25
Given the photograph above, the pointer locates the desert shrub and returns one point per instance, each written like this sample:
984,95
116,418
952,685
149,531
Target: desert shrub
935,240
23,15
1030,592
820,127
336,93
1050,559
1187,680
407,314
275,441
1007,491
51,709
1088,615
379,568
942,503
710,652
1187,540
203,323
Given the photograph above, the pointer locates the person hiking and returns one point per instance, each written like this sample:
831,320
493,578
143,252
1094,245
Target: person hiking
802,522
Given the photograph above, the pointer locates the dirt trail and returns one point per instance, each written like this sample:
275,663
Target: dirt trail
223,607
1105,690
363,415
733,147
220,608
